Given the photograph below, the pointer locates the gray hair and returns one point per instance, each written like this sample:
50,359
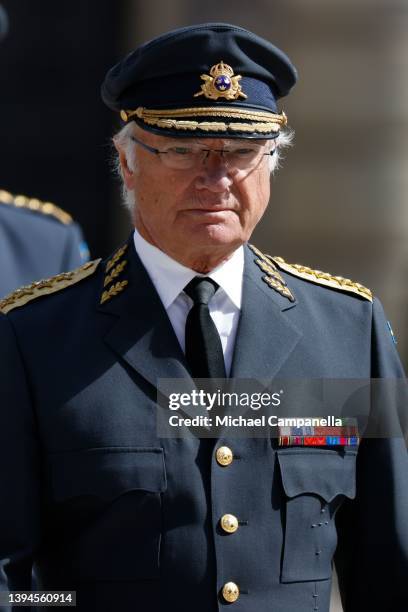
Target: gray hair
123,139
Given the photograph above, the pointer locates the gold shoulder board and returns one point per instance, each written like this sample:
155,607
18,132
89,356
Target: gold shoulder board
23,295
46,208
323,278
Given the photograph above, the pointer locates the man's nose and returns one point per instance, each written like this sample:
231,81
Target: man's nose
214,173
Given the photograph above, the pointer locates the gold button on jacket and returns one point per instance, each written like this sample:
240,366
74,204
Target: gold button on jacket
229,523
224,456
230,592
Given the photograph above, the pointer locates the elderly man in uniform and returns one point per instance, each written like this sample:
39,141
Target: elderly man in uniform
91,494
37,239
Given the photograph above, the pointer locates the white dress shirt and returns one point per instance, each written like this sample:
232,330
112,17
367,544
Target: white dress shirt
169,278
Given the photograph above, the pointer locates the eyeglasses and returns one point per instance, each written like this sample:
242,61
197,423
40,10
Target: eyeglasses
244,155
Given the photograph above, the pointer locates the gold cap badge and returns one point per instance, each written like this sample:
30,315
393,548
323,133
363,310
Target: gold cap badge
221,83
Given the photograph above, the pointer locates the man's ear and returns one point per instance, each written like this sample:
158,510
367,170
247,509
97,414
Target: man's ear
128,175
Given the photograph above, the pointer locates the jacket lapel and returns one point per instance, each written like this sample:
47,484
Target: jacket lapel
265,336
141,333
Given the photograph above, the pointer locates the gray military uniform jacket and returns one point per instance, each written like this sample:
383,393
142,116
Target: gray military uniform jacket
130,521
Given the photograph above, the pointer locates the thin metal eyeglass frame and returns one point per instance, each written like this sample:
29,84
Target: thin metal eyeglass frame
208,151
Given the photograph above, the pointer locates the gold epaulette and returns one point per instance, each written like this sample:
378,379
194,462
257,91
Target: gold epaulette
26,294
46,208
323,278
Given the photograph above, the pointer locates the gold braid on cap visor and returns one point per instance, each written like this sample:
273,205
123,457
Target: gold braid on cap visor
261,121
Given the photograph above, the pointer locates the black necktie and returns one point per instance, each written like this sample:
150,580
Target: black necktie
203,345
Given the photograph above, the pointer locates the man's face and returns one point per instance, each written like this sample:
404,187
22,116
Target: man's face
198,216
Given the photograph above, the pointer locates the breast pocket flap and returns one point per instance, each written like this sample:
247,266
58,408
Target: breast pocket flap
323,473
107,472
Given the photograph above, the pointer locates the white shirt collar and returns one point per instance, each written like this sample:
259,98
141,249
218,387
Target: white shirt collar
169,277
